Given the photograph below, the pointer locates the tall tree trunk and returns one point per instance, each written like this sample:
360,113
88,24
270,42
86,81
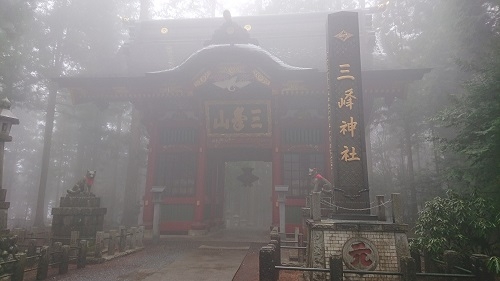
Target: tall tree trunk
410,173
130,205
47,142
115,154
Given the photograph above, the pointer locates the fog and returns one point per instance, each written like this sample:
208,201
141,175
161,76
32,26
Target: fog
41,41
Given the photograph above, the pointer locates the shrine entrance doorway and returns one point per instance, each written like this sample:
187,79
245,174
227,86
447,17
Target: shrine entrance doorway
240,187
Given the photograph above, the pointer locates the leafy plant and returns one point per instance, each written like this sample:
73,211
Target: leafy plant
466,224
493,264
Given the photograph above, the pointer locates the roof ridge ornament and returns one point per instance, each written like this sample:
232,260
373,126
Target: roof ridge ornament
231,33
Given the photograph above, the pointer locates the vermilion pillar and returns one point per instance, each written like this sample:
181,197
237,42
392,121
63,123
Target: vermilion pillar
200,177
277,171
152,156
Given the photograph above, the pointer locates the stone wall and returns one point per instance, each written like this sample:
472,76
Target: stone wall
363,245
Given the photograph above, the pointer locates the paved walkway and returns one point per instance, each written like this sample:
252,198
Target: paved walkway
216,257
203,264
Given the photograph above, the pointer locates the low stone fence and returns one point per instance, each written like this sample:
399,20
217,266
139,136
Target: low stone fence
270,265
39,259
453,263
117,241
297,245
37,251
104,243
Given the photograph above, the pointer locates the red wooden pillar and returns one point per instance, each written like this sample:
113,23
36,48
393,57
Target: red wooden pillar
200,178
277,169
154,149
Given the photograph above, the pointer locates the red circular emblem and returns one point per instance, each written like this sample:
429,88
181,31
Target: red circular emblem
360,254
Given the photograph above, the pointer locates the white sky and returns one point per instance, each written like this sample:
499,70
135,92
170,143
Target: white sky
232,5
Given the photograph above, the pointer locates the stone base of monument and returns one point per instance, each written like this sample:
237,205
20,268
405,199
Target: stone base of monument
78,213
363,245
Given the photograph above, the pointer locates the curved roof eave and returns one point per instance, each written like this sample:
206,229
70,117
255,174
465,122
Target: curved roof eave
230,53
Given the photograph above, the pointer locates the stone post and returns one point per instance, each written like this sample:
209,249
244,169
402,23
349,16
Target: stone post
451,259
301,251
47,237
479,268
75,235
112,242
123,239
21,234
63,266
381,208
266,264
99,240
429,264
56,251
418,260
408,269
34,231
306,214
43,264
129,240
281,191
316,206
276,240
133,235
277,251
397,208
18,274
141,236
31,248
82,255
336,268
157,198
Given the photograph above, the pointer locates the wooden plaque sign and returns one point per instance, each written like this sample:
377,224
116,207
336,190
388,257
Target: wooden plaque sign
238,118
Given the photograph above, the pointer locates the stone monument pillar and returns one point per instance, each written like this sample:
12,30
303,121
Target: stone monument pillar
363,241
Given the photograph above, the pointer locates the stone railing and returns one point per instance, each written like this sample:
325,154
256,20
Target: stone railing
116,242
39,259
270,264
453,263
37,251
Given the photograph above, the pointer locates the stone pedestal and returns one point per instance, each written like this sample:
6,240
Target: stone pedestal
363,245
78,213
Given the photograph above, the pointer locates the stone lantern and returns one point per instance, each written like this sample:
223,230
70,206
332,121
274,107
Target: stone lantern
7,119
157,198
281,191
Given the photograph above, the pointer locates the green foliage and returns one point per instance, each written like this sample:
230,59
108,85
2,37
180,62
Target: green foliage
466,224
15,17
493,264
475,117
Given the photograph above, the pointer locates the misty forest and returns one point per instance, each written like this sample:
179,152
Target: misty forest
439,146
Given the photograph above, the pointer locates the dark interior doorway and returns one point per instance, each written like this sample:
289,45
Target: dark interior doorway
243,199
248,205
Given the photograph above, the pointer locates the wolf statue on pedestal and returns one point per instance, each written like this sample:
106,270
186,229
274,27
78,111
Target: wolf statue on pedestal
83,186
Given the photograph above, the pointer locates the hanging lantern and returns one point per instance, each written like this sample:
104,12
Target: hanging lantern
247,178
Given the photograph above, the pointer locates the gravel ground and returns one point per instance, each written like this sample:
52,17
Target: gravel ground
153,258
133,267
